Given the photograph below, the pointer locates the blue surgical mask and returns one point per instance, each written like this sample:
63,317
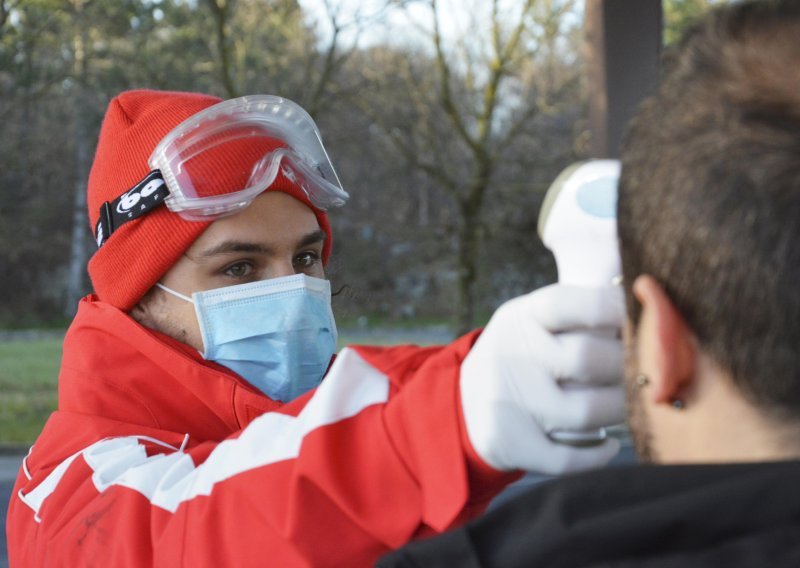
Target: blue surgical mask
277,334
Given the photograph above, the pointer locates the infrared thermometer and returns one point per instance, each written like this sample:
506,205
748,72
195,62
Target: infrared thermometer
578,223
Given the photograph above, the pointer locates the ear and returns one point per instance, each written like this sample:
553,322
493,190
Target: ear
665,343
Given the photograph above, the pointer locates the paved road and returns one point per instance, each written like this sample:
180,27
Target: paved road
9,465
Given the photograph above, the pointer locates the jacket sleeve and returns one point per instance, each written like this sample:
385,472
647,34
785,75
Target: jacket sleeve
376,456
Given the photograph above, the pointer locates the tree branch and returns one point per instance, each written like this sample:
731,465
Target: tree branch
220,9
444,83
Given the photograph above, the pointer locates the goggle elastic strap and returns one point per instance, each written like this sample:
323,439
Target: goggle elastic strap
143,197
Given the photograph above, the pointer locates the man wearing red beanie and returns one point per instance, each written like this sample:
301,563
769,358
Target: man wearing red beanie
194,426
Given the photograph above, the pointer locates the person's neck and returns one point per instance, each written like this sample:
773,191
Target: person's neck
720,425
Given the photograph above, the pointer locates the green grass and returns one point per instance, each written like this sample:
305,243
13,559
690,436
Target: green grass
28,388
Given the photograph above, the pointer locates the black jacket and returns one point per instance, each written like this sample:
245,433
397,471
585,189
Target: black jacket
646,516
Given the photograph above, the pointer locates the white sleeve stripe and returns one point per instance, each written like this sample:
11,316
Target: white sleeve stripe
350,386
35,498
168,480
25,469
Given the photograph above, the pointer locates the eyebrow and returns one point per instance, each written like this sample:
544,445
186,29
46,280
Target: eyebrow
227,247
313,238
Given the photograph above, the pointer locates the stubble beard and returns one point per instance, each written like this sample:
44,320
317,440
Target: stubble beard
155,314
638,421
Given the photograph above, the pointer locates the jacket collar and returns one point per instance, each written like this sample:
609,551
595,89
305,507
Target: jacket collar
116,368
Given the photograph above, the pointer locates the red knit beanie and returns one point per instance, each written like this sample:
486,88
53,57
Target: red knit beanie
139,252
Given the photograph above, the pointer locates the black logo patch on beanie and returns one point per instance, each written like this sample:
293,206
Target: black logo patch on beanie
141,198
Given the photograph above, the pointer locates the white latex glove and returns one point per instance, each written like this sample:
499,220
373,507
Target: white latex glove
541,364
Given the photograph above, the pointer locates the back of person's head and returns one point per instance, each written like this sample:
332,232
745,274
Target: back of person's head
709,199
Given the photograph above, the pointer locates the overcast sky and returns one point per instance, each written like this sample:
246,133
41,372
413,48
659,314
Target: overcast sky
452,17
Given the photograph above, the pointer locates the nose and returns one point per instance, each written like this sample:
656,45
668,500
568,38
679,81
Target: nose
280,267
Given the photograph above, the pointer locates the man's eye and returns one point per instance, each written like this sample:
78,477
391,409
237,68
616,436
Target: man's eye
306,259
239,270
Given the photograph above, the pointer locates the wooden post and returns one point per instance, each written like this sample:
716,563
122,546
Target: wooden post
623,45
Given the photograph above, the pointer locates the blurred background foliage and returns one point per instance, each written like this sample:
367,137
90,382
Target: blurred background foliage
446,135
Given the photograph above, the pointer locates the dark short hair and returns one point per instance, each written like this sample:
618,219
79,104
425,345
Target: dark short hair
709,199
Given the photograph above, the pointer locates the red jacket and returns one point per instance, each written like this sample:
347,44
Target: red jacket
156,457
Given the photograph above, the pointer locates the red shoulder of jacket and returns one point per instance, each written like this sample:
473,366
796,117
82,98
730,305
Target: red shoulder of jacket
400,362
114,368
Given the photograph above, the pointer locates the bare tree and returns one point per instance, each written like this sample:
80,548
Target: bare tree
80,71
6,6
326,62
463,119
222,12
474,112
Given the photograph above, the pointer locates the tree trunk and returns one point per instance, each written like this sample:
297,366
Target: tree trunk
78,248
77,253
222,13
468,248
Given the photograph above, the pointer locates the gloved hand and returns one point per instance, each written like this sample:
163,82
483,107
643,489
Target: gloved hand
546,361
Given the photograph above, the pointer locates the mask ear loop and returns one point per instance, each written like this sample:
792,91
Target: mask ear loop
187,299
174,293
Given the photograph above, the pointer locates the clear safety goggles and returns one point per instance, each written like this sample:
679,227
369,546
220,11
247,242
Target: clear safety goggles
219,160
